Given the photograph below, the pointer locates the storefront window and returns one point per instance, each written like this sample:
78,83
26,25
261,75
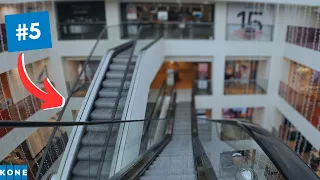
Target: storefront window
80,20
175,21
246,76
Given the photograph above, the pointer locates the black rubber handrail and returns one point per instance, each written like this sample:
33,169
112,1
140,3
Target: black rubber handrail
32,124
287,162
202,163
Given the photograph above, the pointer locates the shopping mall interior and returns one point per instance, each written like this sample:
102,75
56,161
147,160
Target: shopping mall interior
170,89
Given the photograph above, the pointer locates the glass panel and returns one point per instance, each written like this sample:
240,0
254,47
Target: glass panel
258,86
203,87
171,30
233,153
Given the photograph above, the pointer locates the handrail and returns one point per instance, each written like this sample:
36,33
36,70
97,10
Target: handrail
202,163
29,124
289,164
67,101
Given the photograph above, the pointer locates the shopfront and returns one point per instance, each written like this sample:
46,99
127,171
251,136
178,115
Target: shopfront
80,20
175,21
246,75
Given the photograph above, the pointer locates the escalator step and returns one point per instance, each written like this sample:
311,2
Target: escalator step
97,139
121,67
104,114
93,153
111,92
102,128
89,169
172,177
117,75
115,83
109,102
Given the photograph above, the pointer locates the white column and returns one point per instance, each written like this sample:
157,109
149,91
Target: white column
219,58
276,67
113,19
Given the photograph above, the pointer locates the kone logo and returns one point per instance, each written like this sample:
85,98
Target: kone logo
8,172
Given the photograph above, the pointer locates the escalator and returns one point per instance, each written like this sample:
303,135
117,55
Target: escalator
114,88
170,144
176,160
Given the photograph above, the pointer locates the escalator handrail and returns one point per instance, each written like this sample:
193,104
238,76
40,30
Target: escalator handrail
289,164
202,163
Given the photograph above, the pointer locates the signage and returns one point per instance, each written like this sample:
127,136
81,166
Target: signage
19,172
162,15
131,12
29,31
247,21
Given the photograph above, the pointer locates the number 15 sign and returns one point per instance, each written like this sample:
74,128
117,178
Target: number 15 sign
29,31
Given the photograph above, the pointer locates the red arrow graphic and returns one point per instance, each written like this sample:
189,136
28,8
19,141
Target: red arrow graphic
52,98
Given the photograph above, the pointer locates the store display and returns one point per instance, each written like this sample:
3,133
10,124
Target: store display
248,21
131,12
162,15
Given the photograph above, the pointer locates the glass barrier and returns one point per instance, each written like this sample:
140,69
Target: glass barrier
233,153
79,31
241,32
203,87
305,102
303,36
258,86
170,30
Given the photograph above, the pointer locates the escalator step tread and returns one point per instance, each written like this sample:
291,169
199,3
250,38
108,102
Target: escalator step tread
89,168
117,75
97,139
109,102
104,114
115,83
93,153
102,128
111,92
172,177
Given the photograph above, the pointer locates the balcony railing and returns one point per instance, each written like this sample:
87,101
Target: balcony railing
239,32
203,87
307,103
303,36
258,86
80,31
81,89
170,30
